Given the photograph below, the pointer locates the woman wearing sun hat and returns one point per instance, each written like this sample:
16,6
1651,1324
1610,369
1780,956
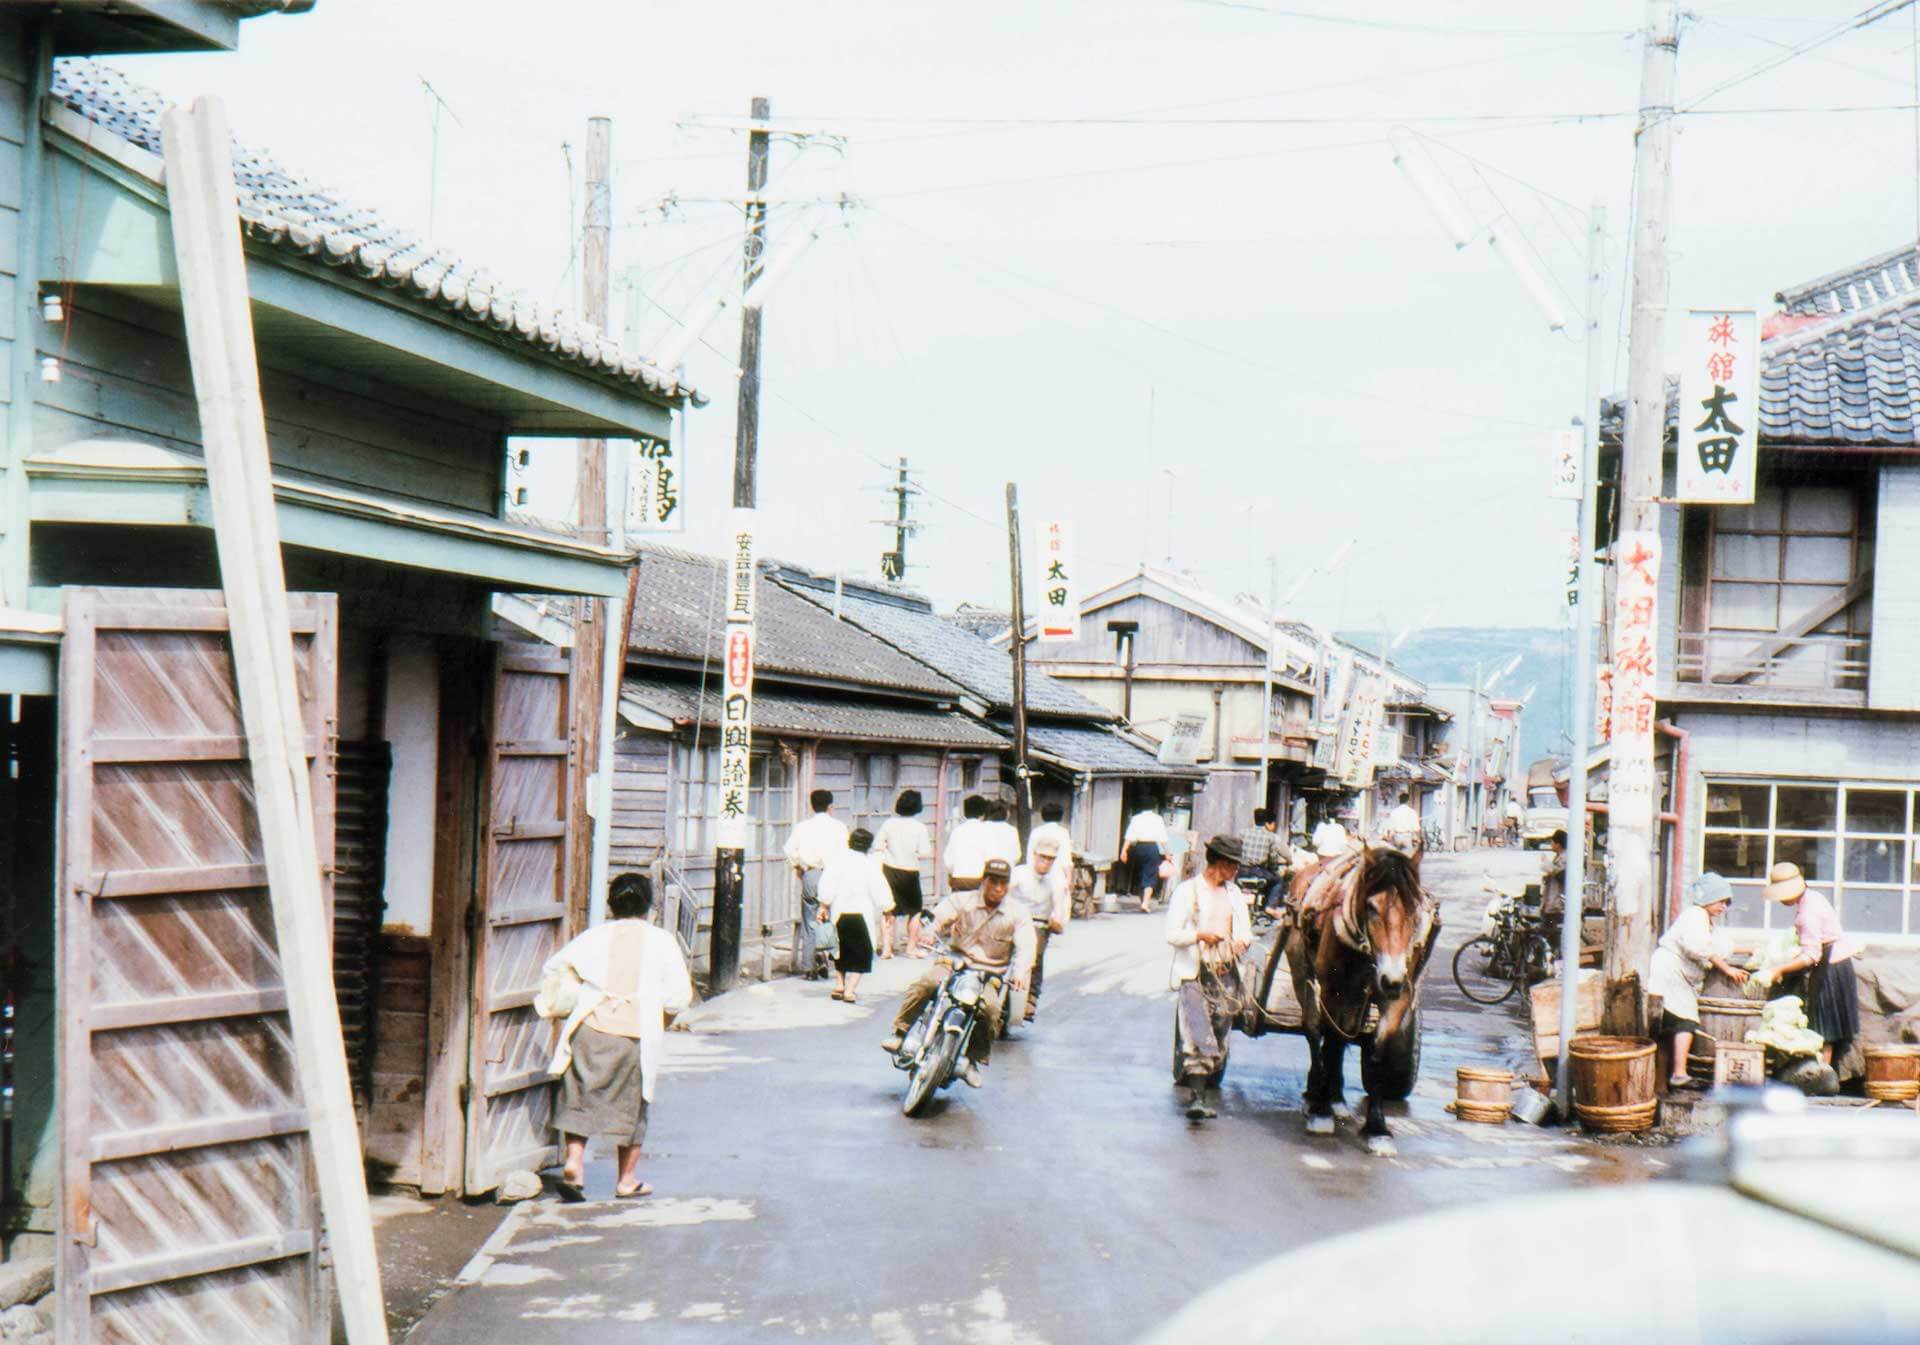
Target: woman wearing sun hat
1833,999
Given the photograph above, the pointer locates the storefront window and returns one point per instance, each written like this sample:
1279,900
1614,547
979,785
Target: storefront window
697,801
1857,841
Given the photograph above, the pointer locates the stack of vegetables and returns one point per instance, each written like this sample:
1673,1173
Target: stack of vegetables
1784,1032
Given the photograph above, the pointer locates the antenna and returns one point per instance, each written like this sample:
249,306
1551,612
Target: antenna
438,105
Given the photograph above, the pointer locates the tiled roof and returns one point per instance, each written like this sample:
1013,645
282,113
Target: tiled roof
983,669
677,615
811,716
1853,382
1099,750
1866,284
281,208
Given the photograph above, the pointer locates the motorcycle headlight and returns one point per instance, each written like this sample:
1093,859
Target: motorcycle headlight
966,989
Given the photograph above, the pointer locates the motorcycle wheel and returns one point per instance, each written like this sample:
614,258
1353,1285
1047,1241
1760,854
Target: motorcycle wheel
935,1068
1480,971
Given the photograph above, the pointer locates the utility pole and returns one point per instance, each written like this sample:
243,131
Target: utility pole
1023,785
594,617
1475,776
1630,848
729,859
893,565
1266,679
1586,604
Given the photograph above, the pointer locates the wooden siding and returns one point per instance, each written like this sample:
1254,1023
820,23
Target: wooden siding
1168,634
126,376
15,60
396,1120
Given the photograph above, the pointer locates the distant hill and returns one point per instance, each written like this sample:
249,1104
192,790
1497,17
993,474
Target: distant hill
1447,656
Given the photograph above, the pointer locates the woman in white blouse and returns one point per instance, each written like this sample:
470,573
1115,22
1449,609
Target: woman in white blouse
902,844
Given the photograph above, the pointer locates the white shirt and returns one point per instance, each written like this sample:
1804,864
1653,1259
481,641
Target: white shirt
1679,966
1146,828
664,987
967,852
1037,895
1061,875
816,841
1330,839
853,885
903,842
1196,905
1003,842
1403,821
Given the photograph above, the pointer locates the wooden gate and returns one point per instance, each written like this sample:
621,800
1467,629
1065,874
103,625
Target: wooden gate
521,918
187,1210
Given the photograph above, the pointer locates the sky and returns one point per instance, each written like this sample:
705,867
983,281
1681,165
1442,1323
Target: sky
1150,260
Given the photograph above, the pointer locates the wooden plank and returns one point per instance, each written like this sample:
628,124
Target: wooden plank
556,665
534,747
173,1137
530,831
159,882
73,1215
216,747
186,1009
526,915
213,291
514,1083
142,616
201,1261
1755,660
463,682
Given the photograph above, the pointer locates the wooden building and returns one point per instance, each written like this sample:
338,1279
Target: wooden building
160,1129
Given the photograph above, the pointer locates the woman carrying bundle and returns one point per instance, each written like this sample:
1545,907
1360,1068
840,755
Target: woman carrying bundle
1826,955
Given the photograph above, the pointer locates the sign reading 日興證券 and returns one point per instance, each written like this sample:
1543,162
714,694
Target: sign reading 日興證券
1719,414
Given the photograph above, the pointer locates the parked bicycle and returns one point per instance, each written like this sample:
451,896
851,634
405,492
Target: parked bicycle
1513,955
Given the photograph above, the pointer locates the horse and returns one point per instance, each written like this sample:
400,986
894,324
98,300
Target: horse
1361,930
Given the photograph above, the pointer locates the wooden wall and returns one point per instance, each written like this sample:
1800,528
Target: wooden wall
1168,634
397,1105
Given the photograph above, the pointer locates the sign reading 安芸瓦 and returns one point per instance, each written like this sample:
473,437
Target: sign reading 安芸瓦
1719,420
1059,592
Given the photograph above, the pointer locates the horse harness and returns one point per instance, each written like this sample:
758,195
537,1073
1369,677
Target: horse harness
1349,926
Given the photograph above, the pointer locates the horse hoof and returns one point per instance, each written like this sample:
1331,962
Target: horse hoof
1342,1112
1319,1125
1381,1146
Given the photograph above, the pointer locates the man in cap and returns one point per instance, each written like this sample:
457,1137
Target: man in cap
984,929
1046,903
1208,927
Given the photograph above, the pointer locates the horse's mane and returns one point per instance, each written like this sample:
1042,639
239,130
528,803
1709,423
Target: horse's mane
1388,870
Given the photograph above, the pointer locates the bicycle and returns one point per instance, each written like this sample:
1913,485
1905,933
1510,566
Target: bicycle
1489,968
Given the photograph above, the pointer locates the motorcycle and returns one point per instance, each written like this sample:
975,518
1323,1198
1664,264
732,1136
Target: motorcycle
937,1043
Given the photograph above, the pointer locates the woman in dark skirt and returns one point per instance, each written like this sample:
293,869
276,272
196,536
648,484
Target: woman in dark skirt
902,845
1826,955
853,896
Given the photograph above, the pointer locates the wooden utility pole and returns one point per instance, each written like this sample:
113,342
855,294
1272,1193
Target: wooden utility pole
1629,848
729,858
1017,640
1266,681
593,616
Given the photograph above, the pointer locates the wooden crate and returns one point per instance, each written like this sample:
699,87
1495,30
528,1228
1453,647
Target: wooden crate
1544,1001
1739,1062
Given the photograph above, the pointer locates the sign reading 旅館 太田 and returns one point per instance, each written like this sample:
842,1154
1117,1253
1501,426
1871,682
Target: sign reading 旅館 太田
1719,414
1059,591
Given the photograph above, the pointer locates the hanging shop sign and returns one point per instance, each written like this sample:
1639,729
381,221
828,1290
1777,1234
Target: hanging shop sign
1181,746
1603,704
653,488
1059,589
736,696
1719,420
1563,482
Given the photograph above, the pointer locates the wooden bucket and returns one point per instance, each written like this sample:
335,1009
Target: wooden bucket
1614,1082
1720,1020
1893,1072
1484,1095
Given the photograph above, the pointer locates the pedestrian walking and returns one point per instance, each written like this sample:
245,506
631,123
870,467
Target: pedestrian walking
1208,928
1402,830
617,985
1679,969
1003,838
1051,828
810,848
902,844
966,853
1826,955
1143,848
854,896
982,928
1044,902
1330,839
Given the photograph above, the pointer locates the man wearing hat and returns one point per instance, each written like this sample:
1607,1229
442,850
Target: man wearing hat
1680,968
1208,927
1046,903
985,929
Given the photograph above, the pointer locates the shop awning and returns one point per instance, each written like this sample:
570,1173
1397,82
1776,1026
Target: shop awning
1099,750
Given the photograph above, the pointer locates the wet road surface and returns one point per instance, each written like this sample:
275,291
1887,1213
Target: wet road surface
1067,1201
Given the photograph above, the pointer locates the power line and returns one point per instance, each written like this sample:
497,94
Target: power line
1872,14
1398,26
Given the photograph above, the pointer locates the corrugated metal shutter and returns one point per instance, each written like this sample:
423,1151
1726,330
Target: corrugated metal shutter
359,903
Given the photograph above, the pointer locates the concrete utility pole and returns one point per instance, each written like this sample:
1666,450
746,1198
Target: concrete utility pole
590,650
1629,849
729,858
1475,776
1023,784
1266,680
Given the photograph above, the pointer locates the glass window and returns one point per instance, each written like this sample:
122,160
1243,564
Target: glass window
1866,910
1877,812
1814,855
1736,856
1743,806
1806,809
1875,861
1820,509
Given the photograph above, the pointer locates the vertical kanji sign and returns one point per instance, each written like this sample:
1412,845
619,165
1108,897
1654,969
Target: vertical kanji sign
1603,703
1059,587
1719,420
1635,676
653,488
736,696
1564,476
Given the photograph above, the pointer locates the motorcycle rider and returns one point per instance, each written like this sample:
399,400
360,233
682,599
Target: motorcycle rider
1262,853
983,928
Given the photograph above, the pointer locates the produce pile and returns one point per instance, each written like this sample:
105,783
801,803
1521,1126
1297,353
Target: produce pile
1783,1029
1767,960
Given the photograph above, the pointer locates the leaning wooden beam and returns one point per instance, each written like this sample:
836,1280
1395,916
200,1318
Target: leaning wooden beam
226,381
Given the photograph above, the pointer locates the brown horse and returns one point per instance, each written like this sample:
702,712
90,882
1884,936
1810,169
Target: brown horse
1361,930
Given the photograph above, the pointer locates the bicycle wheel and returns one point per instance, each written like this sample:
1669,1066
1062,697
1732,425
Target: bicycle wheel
1481,972
1536,959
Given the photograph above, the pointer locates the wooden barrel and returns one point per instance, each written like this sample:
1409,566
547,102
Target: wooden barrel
1614,1082
1893,1072
1720,1020
1484,1095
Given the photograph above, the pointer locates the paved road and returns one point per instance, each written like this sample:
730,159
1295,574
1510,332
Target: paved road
1068,1201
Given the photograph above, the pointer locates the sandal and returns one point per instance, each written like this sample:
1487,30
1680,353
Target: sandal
571,1192
636,1193
849,999
1687,1084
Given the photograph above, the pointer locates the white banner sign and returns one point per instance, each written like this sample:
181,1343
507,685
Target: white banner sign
1719,422
736,696
1059,588
1564,482
1353,759
1630,796
1603,704
1181,746
1335,684
653,488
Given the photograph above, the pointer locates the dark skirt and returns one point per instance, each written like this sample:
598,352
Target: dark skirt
856,946
1833,1004
1146,866
601,1093
907,897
